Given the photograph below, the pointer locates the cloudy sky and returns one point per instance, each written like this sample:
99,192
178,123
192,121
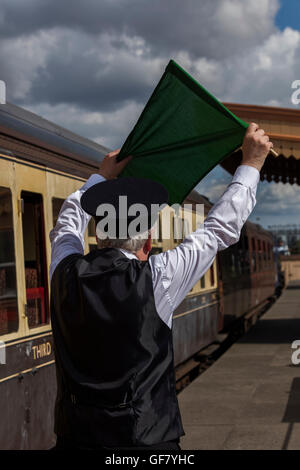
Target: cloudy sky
90,65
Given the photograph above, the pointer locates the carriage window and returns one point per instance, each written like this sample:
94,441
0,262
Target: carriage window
227,259
156,250
202,282
246,262
254,265
212,275
8,282
233,261
240,254
92,246
270,254
35,259
160,224
259,255
92,228
56,206
264,253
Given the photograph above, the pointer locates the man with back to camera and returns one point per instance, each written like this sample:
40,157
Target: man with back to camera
112,309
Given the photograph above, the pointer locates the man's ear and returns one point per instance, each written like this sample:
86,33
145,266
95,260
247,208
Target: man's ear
148,245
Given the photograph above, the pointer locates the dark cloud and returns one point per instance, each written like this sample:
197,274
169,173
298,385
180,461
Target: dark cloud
103,54
79,72
205,28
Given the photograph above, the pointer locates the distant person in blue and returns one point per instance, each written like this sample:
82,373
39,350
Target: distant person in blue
112,309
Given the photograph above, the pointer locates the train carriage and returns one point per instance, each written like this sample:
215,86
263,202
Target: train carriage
247,274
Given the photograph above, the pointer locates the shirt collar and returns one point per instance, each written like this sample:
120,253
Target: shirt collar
129,254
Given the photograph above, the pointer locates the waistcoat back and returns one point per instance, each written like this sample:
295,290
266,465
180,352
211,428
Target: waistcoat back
114,354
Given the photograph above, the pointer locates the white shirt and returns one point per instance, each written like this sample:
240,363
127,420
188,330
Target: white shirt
174,272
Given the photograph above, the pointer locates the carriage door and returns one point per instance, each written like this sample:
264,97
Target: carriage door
36,280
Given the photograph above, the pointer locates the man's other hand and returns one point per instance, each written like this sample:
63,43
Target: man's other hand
110,168
256,146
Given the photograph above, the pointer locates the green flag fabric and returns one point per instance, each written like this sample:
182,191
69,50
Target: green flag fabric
181,135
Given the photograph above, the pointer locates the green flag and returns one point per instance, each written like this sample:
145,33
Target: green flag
182,134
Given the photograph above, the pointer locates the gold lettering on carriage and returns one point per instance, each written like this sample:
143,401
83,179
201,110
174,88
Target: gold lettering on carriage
42,350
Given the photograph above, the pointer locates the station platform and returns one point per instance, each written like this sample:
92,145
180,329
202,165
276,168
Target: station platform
250,397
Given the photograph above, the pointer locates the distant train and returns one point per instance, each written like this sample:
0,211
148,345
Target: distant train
40,165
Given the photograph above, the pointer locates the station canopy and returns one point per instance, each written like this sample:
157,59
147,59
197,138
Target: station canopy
283,127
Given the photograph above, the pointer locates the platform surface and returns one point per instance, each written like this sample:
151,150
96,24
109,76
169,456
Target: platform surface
250,397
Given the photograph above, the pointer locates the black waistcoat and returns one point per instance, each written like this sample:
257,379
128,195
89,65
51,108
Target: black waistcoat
114,355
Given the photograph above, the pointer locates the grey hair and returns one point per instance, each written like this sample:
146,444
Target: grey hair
133,244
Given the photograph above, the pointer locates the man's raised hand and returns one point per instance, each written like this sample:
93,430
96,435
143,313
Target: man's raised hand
256,146
110,168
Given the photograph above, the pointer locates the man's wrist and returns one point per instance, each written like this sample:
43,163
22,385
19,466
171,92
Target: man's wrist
105,176
247,175
93,179
258,166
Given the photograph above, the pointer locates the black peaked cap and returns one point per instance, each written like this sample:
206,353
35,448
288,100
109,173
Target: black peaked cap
138,191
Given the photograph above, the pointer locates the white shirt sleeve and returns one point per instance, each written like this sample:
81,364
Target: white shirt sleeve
67,237
176,271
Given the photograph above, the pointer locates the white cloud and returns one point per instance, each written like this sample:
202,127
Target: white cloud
214,184
106,128
266,73
21,60
283,197
246,20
